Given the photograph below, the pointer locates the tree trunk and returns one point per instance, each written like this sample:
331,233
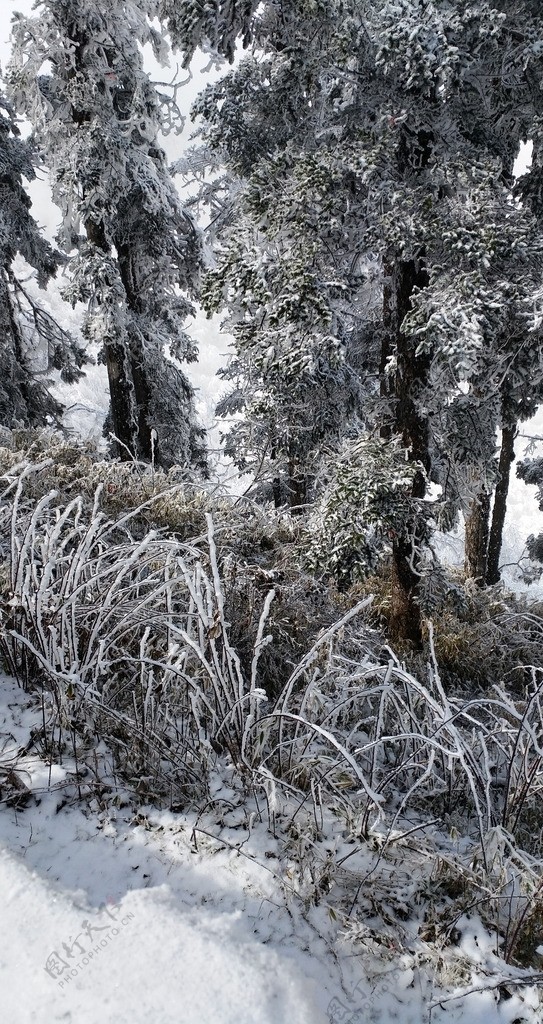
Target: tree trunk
119,373
121,403
507,457
297,486
145,448
129,392
405,620
411,378
386,383
476,544
121,387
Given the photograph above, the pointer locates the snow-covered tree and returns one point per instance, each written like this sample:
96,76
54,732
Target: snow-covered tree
531,471
31,342
294,369
388,131
77,73
295,276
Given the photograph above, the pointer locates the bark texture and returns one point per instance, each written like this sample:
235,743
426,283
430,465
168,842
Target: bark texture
477,534
507,457
411,378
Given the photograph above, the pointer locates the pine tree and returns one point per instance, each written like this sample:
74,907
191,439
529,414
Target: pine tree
410,116
77,72
293,372
296,279
31,342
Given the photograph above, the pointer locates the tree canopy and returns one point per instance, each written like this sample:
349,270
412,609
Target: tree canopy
377,265
379,268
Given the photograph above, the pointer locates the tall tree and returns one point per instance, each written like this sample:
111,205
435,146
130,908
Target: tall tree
77,72
31,342
408,116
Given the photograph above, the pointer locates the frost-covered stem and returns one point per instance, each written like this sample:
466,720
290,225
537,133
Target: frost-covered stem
466,756
375,798
380,721
261,641
524,728
233,665
283,700
511,942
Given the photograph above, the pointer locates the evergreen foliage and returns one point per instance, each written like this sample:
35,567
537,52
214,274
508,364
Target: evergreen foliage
31,342
383,135
379,275
368,499
77,73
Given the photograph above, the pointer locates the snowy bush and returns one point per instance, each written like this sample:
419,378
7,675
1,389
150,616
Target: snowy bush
114,604
366,503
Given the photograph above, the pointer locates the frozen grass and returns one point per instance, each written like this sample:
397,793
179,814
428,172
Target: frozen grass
206,916
400,807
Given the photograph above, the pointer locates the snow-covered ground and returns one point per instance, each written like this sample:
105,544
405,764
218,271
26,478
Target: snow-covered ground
115,917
